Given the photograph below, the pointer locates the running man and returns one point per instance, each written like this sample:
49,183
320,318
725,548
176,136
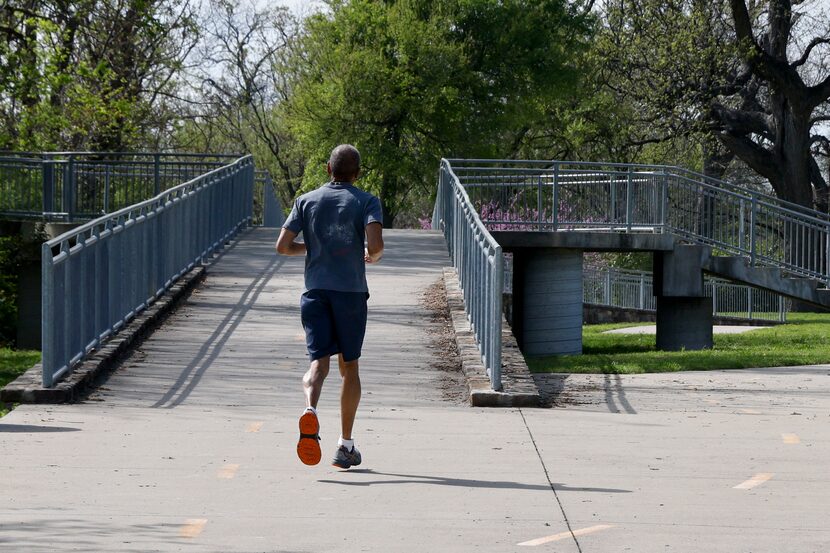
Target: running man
334,220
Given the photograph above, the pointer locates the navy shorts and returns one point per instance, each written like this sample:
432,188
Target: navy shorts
334,322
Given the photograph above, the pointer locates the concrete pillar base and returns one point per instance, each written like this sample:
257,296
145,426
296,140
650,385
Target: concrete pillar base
552,302
684,323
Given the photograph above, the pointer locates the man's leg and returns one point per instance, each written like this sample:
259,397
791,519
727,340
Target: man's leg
349,395
313,380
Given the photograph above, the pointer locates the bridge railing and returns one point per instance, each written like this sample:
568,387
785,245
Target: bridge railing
82,185
99,276
629,289
553,195
478,260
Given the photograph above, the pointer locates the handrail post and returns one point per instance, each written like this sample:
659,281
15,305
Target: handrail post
714,297
752,217
47,328
156,174
827,255
539,206
664,201
642,290
555,206
48,179
629,212
68,192
741,225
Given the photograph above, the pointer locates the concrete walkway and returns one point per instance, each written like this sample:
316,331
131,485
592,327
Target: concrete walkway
190,446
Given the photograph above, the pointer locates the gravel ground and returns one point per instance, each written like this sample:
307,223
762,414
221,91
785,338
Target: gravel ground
442,342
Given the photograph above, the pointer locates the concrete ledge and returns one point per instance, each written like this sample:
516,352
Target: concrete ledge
28,388
520,389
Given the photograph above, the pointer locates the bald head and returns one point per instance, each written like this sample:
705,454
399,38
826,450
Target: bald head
344,163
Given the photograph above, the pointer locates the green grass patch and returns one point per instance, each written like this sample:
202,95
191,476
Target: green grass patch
13,363
804,340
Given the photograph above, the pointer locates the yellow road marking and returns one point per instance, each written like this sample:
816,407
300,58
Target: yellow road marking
756,480
749,411
566,535
254,427
227,472
192,527
791,438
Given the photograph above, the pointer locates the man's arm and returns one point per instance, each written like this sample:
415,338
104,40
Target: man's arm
374,242
286,244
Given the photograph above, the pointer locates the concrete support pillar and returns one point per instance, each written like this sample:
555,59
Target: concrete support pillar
548,283
684,323
684,314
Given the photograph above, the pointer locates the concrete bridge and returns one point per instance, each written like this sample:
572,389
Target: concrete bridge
189,446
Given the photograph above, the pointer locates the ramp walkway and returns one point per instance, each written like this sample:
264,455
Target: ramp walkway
190,444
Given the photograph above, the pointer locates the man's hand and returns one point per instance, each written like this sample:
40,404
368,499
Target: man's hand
286,244
374,243
368,258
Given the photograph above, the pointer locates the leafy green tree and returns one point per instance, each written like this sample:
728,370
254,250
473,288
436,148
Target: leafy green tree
743,83
86,74
410,81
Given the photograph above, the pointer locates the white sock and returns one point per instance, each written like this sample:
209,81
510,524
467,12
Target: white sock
312,409
348,444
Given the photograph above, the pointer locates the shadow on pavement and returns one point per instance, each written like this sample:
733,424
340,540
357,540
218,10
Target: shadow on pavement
31,428
459,482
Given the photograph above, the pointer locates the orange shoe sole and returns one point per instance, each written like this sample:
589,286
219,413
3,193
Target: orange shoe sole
308,448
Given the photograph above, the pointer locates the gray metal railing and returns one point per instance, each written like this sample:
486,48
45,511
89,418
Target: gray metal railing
478,259
99,276
554,195
267,206
633,290
69,186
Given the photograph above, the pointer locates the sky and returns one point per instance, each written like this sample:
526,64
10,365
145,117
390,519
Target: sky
301,7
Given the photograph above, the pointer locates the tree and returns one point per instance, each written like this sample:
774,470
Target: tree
410,81
244,78
747,83
85,74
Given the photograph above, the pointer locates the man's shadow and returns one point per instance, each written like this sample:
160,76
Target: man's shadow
459,482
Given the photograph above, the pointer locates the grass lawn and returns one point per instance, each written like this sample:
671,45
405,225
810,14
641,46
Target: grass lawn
804,340
14,363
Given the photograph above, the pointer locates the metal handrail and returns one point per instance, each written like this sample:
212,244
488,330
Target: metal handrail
72,186
546,195
479,262
629,289
100,275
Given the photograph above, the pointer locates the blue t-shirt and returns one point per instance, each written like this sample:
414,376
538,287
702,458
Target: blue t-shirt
333,221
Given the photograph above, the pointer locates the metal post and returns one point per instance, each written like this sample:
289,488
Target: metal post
107,189
741,226
555,195
714,297
664,208
68,192
539,204
749,301
752,216
629,212
642,290
156,174
608,287
48,175
47,328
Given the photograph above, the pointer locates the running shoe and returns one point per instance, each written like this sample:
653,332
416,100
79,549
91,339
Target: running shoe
345,458
308,448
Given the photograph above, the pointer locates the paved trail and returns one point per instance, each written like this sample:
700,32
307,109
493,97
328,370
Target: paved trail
190,446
